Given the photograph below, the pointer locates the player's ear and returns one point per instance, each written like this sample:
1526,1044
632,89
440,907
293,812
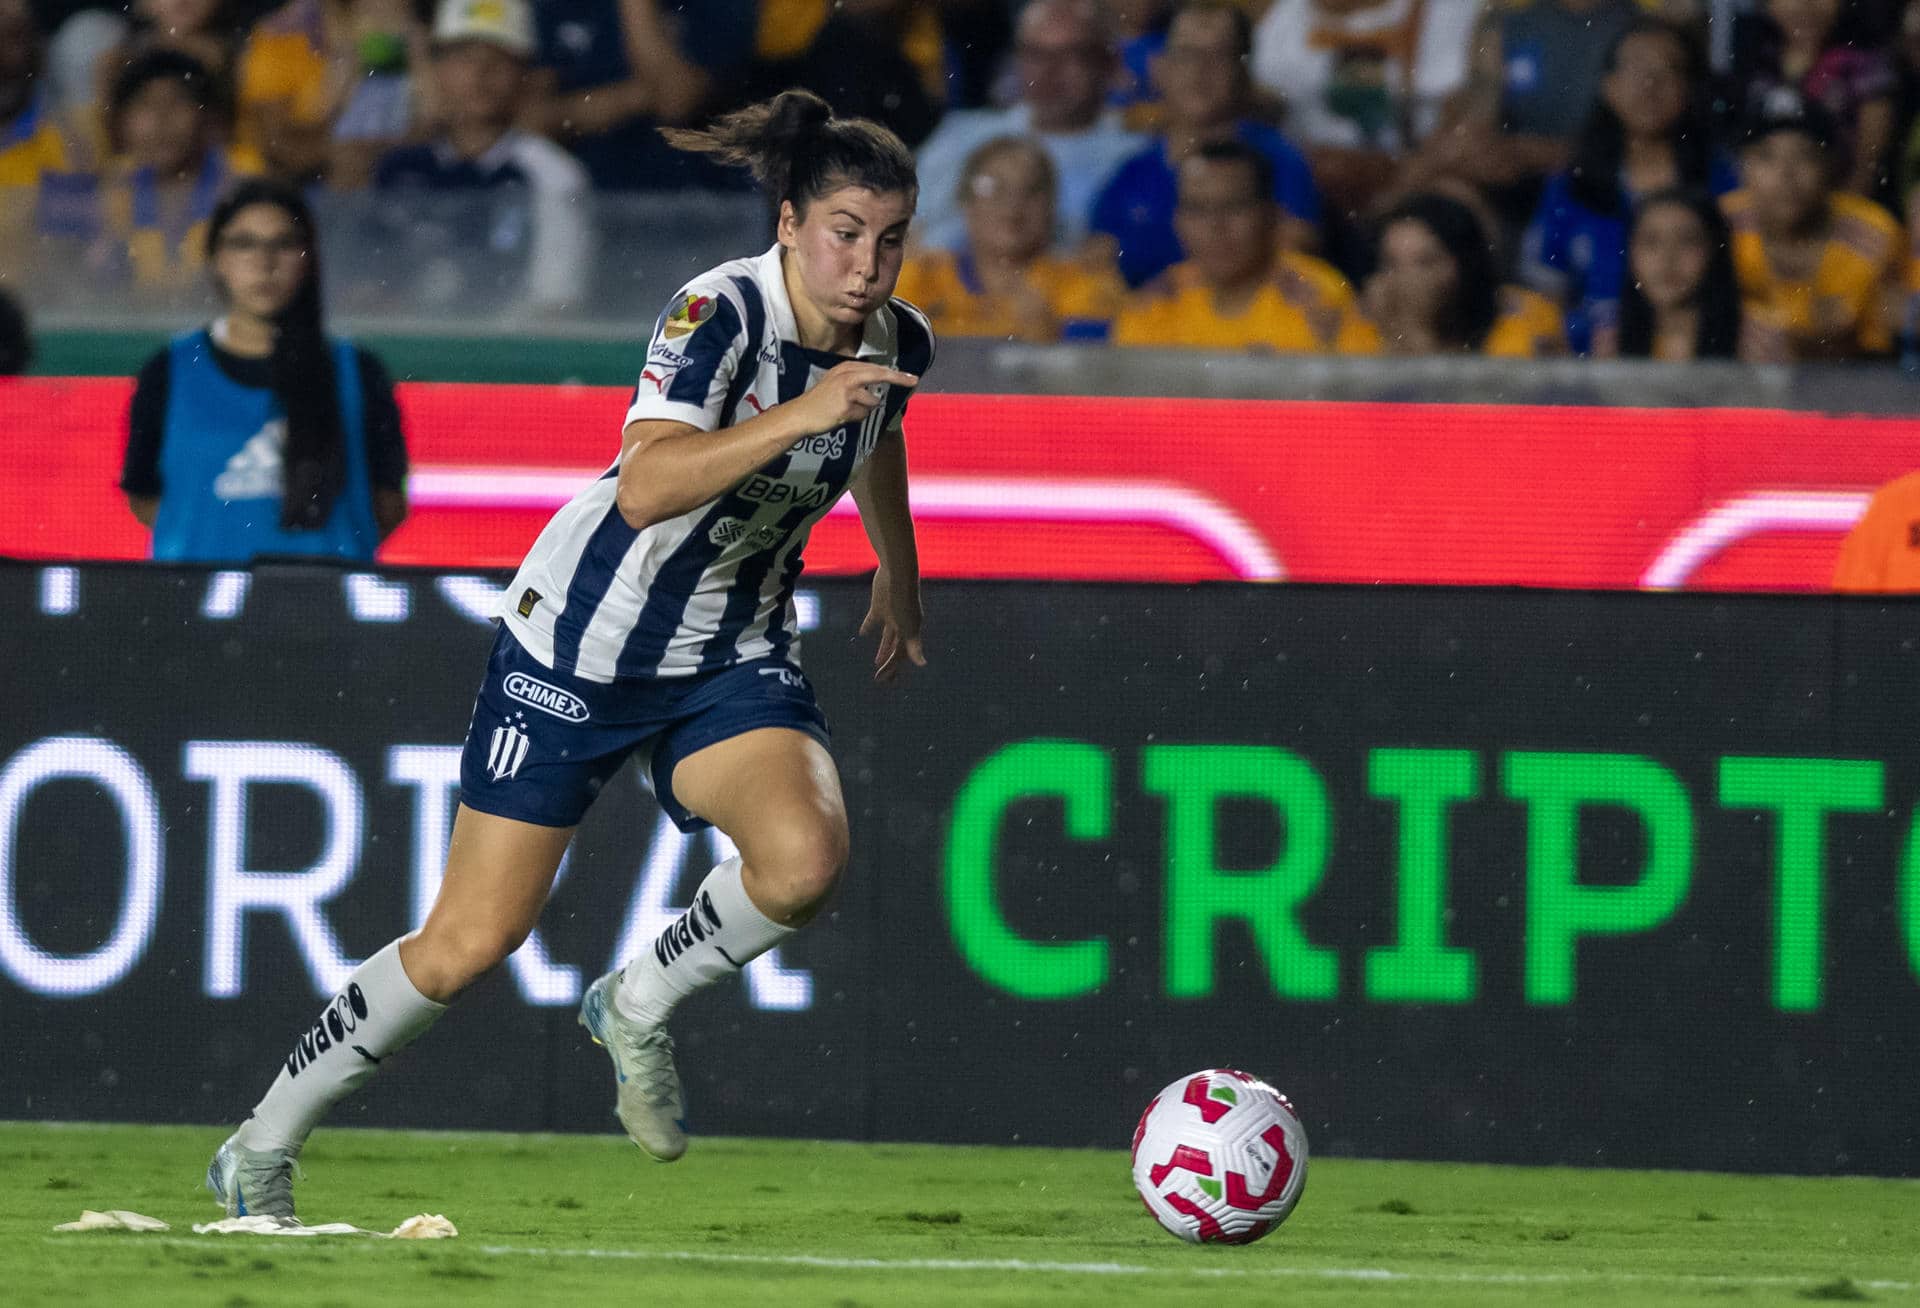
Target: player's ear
786,228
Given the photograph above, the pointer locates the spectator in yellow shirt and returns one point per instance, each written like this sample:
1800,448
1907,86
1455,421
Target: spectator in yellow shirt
142,224
1436,288
1815,263
1234,292
32,143
1004,282
287,93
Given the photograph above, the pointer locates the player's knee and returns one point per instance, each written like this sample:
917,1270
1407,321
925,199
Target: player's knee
799,868
451,958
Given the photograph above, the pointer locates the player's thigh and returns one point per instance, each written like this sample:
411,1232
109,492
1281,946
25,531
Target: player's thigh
499,872
776,793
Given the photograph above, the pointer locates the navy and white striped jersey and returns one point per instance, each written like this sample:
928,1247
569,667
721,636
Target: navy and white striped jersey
599,599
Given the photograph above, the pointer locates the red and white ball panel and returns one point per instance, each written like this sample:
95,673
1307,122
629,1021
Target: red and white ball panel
1219,1157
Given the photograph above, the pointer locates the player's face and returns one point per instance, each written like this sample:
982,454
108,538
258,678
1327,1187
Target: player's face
162,128
179,17
479,82
1010,207
260,260
848,246
1200,74
1669,255
1647,85
1417,266
1786,174
1224,224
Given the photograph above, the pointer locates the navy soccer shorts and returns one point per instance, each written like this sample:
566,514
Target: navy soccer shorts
542,743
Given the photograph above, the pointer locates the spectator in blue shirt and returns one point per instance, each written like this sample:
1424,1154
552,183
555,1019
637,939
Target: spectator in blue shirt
1649,130
614,70
1205,96
486,214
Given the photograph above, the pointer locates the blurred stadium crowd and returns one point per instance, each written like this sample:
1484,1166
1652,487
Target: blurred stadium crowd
1672,179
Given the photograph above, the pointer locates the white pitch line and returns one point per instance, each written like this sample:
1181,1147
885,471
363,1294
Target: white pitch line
1140,1269
822,1262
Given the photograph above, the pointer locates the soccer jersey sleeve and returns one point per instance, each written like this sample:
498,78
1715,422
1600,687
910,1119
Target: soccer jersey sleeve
914,333
692,359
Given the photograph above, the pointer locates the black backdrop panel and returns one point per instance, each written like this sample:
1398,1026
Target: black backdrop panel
1508,876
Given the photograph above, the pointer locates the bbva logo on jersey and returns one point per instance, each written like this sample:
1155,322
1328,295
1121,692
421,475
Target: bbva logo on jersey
535,693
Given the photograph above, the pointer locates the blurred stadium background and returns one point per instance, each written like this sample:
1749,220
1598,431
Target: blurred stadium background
1553,811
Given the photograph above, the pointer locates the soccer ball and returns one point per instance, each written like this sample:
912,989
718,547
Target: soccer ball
1219,1157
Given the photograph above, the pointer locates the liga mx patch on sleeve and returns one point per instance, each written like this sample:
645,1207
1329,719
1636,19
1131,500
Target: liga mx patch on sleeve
687,315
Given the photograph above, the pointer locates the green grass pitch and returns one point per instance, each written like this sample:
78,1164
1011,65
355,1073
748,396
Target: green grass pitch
586,1220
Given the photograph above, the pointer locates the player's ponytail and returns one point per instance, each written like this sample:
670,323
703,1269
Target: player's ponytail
301,367
799,151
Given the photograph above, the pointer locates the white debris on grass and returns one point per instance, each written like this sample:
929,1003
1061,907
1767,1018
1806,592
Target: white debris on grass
424,1226
114,1219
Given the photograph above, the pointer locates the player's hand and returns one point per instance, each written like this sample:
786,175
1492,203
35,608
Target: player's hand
846,394
895,615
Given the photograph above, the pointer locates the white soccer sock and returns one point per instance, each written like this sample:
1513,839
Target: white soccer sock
376,1014
718,936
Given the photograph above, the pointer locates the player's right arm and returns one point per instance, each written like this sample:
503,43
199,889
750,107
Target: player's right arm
668,467
674,453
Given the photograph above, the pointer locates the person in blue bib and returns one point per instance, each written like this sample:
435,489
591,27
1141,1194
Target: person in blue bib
259,434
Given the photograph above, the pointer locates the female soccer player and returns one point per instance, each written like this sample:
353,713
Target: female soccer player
656,611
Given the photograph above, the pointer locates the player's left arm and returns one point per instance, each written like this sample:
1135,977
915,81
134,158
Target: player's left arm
880,491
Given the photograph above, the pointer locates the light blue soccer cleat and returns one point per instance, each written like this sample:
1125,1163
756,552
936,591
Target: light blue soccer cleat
651,1105
253,1182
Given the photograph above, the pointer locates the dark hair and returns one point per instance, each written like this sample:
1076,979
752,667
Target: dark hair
799,151
1239,152
301,366
1236,14
192,76
1784,109
1601,147
16,337
1719,293
225,19
1469,315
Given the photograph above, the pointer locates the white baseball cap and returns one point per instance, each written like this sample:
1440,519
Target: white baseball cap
505,23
